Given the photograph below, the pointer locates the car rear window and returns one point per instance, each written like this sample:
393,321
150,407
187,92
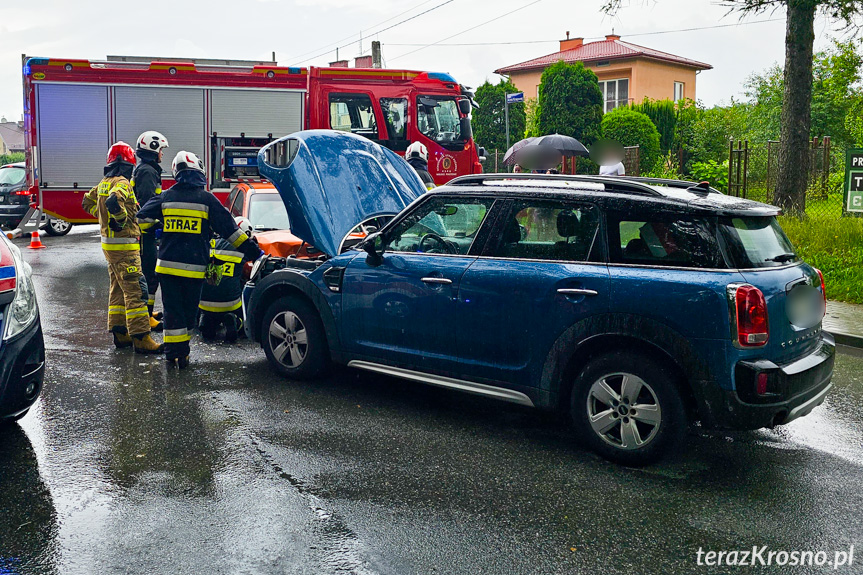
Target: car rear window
12,176
665,241
757,242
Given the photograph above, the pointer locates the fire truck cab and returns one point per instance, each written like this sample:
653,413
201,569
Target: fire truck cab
225,111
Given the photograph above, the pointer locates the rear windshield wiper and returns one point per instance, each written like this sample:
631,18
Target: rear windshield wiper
781,258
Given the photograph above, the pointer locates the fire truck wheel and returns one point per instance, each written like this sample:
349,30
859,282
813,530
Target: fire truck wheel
57,227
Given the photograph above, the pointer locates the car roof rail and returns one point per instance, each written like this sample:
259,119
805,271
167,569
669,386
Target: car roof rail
612,183
695,187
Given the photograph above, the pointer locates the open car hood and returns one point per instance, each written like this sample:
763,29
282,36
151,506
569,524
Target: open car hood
333,181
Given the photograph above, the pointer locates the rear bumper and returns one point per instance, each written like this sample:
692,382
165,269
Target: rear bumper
22,363
12,214
797,388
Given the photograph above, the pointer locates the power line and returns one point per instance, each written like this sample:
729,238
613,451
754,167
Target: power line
385,29
467,30
594,38
361,31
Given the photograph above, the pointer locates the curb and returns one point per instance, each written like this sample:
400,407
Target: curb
849,339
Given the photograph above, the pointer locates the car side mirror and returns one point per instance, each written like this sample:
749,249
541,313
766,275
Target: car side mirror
466,130
464,106
482,153
374,246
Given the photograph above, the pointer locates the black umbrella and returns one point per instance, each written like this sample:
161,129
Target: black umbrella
509,157
566,145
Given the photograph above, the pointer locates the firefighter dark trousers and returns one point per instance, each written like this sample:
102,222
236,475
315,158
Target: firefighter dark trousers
211,321
180,298
148,265
127,299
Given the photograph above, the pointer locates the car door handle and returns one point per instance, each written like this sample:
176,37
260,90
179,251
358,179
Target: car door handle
577,291
439,281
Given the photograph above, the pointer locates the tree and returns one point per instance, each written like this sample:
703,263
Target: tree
835,89
795,121
632,128
489,128
570,102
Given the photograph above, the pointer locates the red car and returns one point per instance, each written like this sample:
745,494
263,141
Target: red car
261,204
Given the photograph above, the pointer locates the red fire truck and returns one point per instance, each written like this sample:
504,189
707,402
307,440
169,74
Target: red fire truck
225,111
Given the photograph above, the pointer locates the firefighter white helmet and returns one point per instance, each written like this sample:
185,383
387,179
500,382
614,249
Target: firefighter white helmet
186,161
417,150
245,225
153,141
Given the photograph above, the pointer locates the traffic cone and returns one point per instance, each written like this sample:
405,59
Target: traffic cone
36,241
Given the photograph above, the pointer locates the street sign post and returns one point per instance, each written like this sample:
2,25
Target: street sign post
508,99
854,180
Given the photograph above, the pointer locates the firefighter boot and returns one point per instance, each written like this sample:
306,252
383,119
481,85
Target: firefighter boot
231,322
181,362
155,324
146,344
121,337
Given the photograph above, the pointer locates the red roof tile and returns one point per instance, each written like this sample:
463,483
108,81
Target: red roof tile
603,50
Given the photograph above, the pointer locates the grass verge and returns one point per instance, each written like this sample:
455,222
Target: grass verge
835,246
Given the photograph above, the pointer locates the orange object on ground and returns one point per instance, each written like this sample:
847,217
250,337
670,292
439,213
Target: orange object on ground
36,241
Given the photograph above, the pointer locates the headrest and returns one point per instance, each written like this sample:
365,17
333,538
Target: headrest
567,223
512,232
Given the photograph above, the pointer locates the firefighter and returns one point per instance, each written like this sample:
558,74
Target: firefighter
417,156
114,203
188,212
221,304
146,183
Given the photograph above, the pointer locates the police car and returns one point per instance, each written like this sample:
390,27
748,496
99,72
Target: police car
22,348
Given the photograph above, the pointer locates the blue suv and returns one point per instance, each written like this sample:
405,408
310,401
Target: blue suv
635,305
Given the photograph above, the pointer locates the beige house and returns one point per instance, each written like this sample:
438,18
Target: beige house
11,137
627,72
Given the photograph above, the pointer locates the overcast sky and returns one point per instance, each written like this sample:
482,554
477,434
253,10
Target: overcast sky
304,32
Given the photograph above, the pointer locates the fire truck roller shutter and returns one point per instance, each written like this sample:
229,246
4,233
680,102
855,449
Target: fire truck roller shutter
178,113
73,134
256,113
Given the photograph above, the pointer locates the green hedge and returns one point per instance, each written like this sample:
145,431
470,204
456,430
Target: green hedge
632,128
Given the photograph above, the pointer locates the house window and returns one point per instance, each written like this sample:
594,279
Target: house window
615,93
678,91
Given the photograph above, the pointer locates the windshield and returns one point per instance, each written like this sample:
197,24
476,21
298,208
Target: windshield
438,119
757,242
12,176
267,212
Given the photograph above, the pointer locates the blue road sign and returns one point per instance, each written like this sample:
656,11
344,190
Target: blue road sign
514,98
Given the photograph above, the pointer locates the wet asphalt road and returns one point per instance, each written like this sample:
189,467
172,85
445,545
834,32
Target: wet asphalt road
126,467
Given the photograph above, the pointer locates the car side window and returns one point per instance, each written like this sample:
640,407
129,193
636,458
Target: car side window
685,241
440,226
239,200
548,230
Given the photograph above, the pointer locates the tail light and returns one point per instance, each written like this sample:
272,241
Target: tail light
749,313
823,291
22,193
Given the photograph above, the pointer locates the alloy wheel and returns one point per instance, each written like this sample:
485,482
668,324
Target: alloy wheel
288,339
623,410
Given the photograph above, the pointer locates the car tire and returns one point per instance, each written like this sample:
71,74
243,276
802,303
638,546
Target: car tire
56,227
11,420
294,340
627,408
